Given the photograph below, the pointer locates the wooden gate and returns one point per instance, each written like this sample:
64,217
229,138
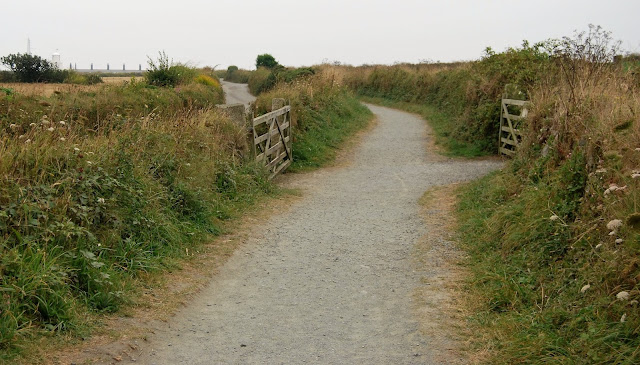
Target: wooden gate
272,140
510,136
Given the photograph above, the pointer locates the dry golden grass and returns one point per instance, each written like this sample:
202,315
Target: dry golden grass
121,79
46,89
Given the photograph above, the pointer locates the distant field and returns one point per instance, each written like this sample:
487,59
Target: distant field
120,79
49,89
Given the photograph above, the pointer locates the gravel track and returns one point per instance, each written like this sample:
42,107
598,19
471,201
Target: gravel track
331,280
237,93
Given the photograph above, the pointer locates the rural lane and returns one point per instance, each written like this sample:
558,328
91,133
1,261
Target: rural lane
237,93
332,279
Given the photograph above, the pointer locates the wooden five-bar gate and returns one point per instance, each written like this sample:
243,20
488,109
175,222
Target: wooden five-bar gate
272,139
510,135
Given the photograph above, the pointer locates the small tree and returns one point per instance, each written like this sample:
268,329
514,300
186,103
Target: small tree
266,60
31,68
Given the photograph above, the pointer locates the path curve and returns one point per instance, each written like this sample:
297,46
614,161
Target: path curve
237,93
331,280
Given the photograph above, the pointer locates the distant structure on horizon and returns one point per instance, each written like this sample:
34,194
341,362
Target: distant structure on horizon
55,59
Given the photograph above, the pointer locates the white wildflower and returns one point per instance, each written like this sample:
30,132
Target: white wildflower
45,122
619,240
76,149
614,224
62,122
598,246
27,141
89,163
585,288
613,233
554,218
601,171
101,200
188,164
21,136
635,176
51,129
623,295
623,318
32,124
63,139
13,126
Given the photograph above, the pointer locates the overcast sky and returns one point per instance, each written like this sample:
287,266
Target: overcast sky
297,32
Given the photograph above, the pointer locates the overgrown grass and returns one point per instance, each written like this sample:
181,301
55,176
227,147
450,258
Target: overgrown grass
324,116
100,187
554,238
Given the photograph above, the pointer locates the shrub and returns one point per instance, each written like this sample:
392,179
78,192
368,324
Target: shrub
165,73
266,60
7,76
82,79
31,68
207,80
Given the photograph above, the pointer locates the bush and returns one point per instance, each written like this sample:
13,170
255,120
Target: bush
266,60
165,73
7,76
233,74
31,68
82,79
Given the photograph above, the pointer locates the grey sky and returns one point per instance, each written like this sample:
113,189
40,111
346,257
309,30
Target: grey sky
297,32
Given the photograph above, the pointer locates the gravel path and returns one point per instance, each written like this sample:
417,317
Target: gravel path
237,93
332,280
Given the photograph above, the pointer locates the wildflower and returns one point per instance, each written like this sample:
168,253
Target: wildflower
27,141
89,162
613,233
601,171
63,139
51,129
76,149
636,175
13,126
623,318
614,224
585,288
619,240
62,122
623,295
21,136
188,164
101,200
32,124
554,218
598,246
45,122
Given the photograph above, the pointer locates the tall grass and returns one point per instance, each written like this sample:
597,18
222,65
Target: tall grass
555,237
99,186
